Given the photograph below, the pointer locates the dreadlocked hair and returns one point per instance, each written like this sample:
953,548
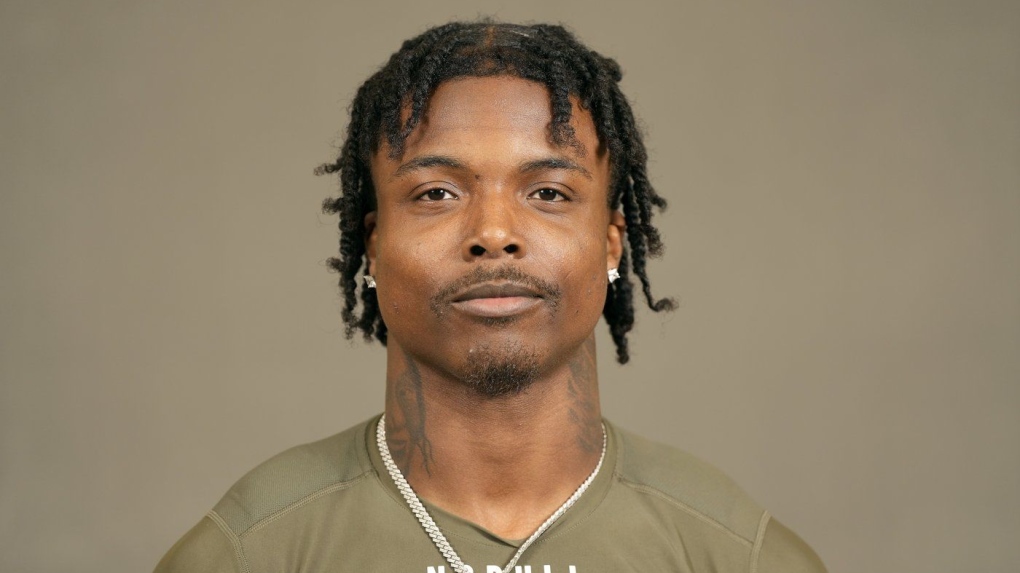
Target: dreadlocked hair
546,54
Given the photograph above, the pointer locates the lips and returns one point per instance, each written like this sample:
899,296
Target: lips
491,290
496,300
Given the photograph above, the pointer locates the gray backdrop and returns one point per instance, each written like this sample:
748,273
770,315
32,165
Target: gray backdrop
843,237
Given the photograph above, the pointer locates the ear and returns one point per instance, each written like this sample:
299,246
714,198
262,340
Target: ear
614,239
370,239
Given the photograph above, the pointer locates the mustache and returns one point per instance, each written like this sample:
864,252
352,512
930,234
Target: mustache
507,273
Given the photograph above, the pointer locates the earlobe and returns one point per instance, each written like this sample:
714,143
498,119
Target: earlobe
370,238
614,239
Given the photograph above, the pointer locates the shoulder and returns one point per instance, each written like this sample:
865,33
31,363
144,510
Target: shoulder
287,481
293,476
206,547
688,483
781,551
698,489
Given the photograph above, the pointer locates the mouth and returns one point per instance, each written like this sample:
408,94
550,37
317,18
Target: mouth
496,300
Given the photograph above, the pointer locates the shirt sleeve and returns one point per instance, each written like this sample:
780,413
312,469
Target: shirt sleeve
206,548
781,551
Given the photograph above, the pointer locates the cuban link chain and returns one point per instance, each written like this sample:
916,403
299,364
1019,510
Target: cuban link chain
438,539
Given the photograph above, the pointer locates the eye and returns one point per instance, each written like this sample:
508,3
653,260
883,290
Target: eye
437,194
548,194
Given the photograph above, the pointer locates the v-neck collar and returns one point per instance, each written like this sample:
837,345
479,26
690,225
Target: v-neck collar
460,531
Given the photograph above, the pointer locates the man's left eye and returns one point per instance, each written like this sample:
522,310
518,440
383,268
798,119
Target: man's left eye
548,194
437,194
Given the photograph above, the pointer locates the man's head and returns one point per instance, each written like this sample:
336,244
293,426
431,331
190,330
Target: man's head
483,177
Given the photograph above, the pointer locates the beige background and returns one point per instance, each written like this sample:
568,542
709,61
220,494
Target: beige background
843,235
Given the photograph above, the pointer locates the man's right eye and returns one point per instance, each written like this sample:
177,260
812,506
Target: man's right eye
437,194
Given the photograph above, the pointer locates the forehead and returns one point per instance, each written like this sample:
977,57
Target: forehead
497,113
493,101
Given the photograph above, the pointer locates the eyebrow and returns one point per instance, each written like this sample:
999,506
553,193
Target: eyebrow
554,163
427,161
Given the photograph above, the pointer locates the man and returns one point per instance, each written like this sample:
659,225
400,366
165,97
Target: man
493,185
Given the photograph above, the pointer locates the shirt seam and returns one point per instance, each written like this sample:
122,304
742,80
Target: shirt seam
234,540
684,507
558,532
299,503
544,538
759,540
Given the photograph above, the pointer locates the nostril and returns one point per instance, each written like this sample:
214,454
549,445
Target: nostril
510,249
477,250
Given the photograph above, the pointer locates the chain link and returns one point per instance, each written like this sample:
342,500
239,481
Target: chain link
438,539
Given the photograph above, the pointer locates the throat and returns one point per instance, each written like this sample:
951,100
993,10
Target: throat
513,513
504,474
505,463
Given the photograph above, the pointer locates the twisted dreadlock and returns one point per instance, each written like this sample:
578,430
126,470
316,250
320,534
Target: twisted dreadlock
546,54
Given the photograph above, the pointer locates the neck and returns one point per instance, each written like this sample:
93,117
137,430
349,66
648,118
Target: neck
504,463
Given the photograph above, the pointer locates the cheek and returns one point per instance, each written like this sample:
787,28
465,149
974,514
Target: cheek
405,272
594,291
584,282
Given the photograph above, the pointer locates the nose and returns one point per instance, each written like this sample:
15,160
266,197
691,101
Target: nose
494,229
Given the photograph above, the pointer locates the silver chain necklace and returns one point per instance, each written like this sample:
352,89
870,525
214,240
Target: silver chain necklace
438,539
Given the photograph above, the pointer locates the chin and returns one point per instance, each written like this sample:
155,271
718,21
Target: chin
501,371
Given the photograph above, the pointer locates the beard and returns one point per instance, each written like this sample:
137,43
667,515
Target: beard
501,372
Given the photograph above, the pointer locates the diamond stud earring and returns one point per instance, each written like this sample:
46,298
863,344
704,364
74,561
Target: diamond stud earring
369,281
613,274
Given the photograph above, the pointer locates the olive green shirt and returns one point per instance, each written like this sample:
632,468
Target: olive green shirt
331,507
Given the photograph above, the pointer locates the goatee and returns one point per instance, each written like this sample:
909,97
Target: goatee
500,372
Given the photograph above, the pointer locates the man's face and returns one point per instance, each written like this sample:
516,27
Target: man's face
490,244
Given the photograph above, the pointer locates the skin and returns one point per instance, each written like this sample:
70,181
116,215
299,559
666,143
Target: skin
480,189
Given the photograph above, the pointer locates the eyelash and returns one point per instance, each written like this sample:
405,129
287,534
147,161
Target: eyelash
425,196
559,194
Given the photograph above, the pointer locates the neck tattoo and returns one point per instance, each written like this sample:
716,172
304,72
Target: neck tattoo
438,539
